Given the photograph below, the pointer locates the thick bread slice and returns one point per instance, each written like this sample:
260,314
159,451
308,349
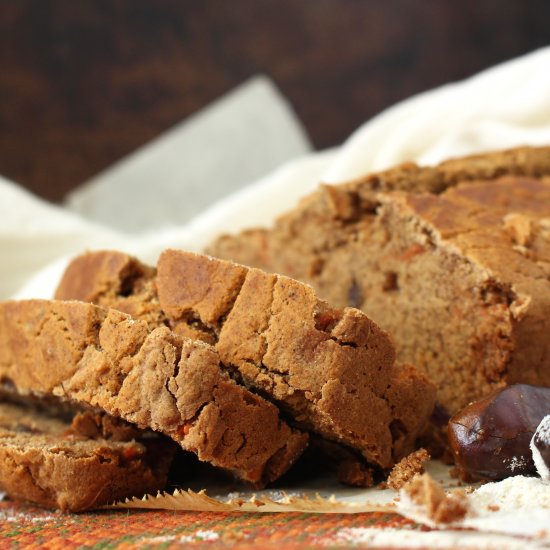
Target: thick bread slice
154,379
50,462
452,260
332,370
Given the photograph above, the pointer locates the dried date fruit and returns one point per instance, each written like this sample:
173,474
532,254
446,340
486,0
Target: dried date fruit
540,447
490,438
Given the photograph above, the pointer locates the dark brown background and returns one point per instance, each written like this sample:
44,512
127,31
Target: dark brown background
84,82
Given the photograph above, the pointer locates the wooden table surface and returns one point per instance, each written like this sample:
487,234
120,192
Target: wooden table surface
82,83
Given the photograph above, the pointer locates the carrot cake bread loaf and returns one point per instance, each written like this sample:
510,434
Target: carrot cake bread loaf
53,463
332,370
152,378
452,260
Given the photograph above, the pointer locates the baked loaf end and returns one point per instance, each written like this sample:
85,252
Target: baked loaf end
107,280
452,260
154,379
332,370
47,461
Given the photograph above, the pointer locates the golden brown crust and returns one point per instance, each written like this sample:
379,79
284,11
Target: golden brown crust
332,370
452,260
43,461
154,379
274,329
322,217
104,278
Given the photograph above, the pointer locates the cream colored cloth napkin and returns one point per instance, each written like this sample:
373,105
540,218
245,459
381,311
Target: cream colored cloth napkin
504,106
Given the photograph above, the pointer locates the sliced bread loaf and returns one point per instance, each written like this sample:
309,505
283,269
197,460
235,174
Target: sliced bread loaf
152,378
331,370
452,260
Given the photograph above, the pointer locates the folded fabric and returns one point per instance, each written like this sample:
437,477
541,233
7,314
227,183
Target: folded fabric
505,106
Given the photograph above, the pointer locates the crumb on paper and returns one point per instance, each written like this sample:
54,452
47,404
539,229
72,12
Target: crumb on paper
257,502
407,468
454,472
453,508
440,507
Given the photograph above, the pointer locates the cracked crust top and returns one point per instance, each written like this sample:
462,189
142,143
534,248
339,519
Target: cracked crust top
332,370
319,221
152,378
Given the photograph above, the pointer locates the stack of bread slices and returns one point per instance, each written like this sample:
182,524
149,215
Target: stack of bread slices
202,355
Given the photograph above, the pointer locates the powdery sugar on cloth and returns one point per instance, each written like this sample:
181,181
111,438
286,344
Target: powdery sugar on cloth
409,538
517,506
523,507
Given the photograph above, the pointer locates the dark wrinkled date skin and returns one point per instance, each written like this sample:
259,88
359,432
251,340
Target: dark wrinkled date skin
490,438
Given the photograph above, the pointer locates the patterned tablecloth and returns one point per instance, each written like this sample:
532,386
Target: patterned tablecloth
26,526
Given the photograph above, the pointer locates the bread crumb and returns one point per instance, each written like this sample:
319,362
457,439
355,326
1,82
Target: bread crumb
439,506
453,508
454,472
407,468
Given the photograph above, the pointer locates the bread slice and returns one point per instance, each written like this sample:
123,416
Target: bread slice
52,463
154,379
452,260
331,370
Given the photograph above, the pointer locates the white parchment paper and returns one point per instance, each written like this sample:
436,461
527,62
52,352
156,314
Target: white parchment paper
239,138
